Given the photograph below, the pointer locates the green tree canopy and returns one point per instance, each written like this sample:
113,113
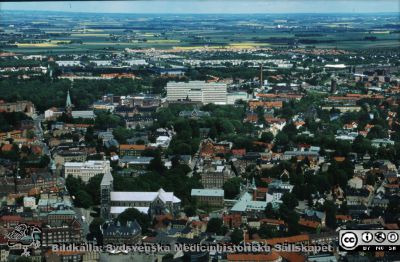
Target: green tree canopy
236,236
214,226
132,214
232,187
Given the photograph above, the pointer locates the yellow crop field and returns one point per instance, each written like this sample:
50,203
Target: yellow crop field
104,43
90,35
37,45
188,48
57,42
163,41
247,45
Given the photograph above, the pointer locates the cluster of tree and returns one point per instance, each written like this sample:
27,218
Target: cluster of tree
306,182
132,214
105,120
216,226
25,157
187,138
173,180
232,187
325,128
286,213
11,120
45,93
21,63
234,72
265,231
95,230
85,195
224,123
121,134
12,154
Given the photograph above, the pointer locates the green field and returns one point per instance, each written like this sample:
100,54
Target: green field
69,33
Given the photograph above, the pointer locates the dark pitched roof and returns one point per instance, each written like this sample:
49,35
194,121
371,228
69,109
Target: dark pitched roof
131,228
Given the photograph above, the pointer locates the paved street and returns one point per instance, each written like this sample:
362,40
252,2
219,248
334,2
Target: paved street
40,139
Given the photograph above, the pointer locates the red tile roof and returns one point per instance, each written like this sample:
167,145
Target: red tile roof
285,96
292,257
7,147
272,221
267,179
309,223
238,152
292,239
251,118
343,217
11,218
274,104
132,147
339,158
273,256
392,226
262,189
272,120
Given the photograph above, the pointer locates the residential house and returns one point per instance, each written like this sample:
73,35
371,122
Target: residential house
355,182
131,150
358,196
210,149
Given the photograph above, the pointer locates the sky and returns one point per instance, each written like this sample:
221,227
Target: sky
211,6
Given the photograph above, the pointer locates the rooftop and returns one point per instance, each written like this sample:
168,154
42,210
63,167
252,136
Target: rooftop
208,192
144,196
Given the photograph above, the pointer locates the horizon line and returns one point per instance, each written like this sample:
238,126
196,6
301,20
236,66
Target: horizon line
180,13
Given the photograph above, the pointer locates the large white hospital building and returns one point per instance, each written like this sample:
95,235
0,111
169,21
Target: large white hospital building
197,91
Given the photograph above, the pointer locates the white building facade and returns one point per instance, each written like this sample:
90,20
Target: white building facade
86,170
197,91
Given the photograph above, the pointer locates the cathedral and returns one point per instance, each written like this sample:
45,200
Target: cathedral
114,203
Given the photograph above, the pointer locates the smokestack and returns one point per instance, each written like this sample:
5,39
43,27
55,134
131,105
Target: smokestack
261,75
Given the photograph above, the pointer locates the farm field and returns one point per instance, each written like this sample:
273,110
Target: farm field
76,33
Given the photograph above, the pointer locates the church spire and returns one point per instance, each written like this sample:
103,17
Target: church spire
68,103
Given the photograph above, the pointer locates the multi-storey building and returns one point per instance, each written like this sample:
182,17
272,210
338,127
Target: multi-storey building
211,197
215,175
116,233
62,227
26,107
86,170
63,156
197,91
